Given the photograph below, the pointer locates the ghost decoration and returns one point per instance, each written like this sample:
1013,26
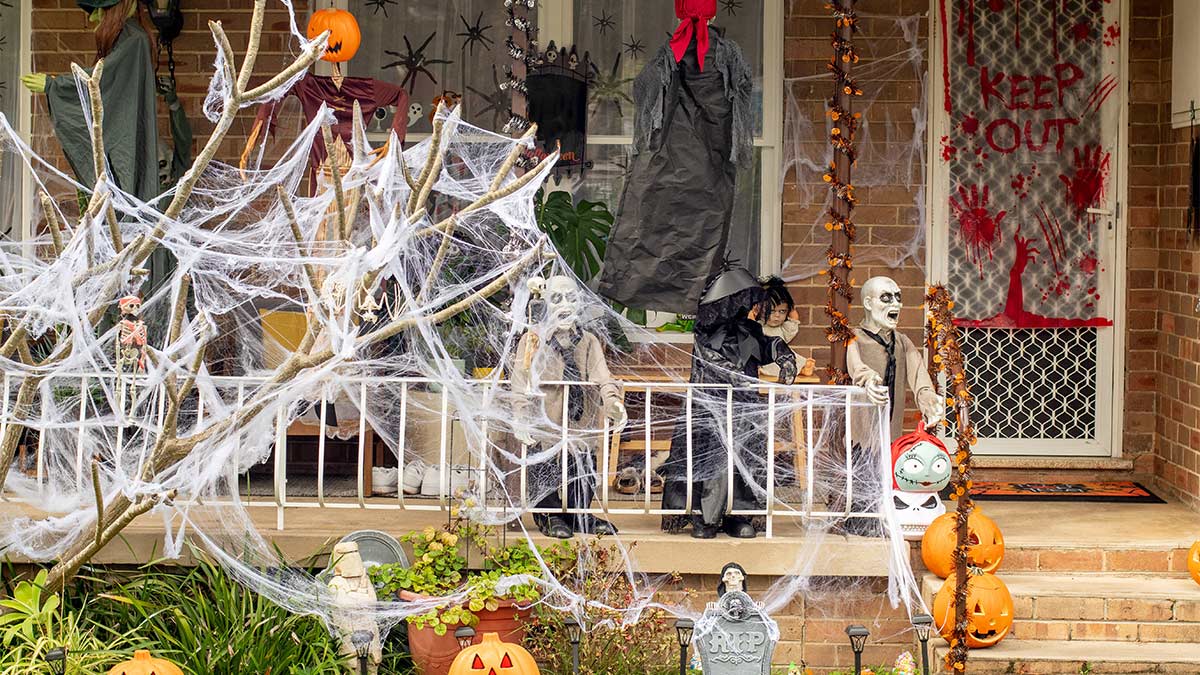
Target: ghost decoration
920,468
415,113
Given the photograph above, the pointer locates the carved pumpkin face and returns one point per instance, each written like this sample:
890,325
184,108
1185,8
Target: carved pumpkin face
144,664
985,550
1194,562
989,609
493,657
344,36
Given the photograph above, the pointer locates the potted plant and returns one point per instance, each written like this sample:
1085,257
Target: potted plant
440,569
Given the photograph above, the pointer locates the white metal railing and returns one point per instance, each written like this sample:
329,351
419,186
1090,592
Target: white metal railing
799,400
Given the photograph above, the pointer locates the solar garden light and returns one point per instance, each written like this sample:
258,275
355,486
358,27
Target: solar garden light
361,639
858,640
683,631
923,623
574,634
465,635
56,659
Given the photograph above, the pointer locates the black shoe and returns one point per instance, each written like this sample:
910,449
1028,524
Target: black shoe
702,531
597,526
555,526
739,528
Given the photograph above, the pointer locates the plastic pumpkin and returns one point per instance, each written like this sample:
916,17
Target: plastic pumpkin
1194,562
989,609
144,664
344,35
493,657
985,547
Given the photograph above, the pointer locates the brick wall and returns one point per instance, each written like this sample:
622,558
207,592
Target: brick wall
1175,282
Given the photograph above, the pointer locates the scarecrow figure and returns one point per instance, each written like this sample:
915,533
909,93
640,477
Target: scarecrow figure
729,349
566,354
692,128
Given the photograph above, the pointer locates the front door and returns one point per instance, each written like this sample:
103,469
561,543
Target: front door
1029,99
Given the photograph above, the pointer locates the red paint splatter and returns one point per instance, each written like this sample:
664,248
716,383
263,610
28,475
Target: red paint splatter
1112,35
1085,186
948,149
1020,186
1082,31
1088,264
970,124
1100,93
978,228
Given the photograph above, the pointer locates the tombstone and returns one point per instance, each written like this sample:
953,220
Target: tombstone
736,637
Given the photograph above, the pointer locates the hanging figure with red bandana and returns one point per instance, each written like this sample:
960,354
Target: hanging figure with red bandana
131,349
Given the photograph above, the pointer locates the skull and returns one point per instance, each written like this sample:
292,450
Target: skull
734,578
915,511
164,164
562,302
130,305
573,61
882,304
415,112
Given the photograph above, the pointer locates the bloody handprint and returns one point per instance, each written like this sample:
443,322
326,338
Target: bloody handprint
1085,185
977,227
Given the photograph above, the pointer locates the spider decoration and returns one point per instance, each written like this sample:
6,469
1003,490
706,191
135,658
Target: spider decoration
603,22
497,101
414,62
380,5
634,47
475,34
610,88
5,3
731,7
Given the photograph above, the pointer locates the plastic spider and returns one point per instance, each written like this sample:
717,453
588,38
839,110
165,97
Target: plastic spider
474,34
634,47
603,22
497,101
414,62
731,7
380,4
610,88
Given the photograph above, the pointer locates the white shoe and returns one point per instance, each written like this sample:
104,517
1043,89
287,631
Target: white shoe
383,480
460,480
414,472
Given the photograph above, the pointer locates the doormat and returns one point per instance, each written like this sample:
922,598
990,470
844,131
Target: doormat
1123,491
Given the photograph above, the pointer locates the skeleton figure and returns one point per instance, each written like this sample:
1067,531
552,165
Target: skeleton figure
733,578
131,349
564,354
353,595
882,359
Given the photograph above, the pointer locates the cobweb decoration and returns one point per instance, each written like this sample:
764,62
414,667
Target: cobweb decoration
392,261
891,144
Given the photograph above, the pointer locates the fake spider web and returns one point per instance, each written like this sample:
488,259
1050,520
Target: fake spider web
239,261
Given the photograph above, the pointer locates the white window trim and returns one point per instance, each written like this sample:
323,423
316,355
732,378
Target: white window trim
24,126
1111,353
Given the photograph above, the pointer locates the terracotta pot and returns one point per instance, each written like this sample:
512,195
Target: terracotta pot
432,654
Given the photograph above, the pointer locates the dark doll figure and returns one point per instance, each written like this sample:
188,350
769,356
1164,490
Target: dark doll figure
729,349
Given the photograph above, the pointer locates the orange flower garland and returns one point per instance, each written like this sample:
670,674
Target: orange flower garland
946,350
841,138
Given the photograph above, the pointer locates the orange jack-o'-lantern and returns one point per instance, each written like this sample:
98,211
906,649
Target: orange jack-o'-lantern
989,609
985,547
493,657
1194,562
144,664
344,35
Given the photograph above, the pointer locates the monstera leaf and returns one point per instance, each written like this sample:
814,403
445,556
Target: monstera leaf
579,232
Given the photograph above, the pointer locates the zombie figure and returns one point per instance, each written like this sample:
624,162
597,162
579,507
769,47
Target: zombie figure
564,353
882,359
729,349
131,346
353,597
920,468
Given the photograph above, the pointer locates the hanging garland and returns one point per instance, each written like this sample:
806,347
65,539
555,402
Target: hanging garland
943,341
841,138
523,52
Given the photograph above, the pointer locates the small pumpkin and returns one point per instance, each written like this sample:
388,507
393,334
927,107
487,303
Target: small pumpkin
985,549
448,99
1194,562
144,664
493,657
989,609
344,35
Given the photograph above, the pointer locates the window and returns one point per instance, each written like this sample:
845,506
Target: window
14,60
619,35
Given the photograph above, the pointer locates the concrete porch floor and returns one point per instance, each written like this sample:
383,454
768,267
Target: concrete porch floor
1093,524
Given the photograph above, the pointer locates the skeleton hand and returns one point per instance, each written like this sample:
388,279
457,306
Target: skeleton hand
877,393
932,409
524,436
615,411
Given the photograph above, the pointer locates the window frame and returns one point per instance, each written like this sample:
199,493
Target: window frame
23,124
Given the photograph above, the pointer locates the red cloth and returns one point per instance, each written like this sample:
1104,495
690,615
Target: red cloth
694,15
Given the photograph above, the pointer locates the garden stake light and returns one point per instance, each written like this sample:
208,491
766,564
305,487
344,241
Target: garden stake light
465,635
858,640
361,639
57,660
683,631
923,623
574,633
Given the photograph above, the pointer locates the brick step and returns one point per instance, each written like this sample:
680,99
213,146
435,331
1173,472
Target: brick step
1071,657
1112,559
1099,607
